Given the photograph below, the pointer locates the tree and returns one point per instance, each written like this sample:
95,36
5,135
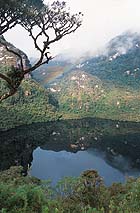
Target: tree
13,12
51,24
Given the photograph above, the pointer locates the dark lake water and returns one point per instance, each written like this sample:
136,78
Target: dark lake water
67,148
63,163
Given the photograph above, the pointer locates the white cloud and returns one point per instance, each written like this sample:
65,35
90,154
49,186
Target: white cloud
103,19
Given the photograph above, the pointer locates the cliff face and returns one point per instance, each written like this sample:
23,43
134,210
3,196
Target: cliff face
10,59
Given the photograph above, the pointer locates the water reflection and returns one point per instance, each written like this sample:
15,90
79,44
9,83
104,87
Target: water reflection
111,147
56,165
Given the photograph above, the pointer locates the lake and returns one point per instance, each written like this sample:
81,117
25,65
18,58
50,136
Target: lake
54,150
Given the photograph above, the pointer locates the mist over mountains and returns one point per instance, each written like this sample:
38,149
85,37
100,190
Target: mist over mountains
105,85
118,61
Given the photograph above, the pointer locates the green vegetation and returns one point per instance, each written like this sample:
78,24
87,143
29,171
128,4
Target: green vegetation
88,96
31,104
109,88
120,64
111,91
86,194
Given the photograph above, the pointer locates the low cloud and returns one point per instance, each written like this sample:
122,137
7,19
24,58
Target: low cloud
103,20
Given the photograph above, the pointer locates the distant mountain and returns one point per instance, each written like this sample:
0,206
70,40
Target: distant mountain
105,86
48,73
121,44
57,68
77,91
120,63
80,94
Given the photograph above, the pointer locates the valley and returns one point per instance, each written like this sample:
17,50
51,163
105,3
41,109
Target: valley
71,116
107,86
69,106
104,86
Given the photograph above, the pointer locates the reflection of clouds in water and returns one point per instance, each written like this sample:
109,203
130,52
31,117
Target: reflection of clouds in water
96,153
56,165
122,162
119,162
125,165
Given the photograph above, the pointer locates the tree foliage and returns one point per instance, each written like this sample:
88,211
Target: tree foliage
85,194
13,12
48,24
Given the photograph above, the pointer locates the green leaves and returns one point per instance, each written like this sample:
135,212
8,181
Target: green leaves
23,194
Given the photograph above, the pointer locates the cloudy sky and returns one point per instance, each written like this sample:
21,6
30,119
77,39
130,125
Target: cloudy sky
103,19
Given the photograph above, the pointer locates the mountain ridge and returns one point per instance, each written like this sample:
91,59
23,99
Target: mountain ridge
119,74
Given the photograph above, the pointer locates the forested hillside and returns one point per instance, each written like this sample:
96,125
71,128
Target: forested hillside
32,102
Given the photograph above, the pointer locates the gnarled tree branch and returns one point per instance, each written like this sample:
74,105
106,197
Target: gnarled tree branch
51,24
13,12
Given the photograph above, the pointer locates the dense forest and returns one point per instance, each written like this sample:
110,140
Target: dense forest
60,104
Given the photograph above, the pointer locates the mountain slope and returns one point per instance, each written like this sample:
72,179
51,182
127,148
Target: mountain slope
106,86
120,64
48,73
77,91
80,94
116,77
32,103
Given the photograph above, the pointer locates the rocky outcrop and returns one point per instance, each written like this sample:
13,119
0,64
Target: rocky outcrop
10,59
